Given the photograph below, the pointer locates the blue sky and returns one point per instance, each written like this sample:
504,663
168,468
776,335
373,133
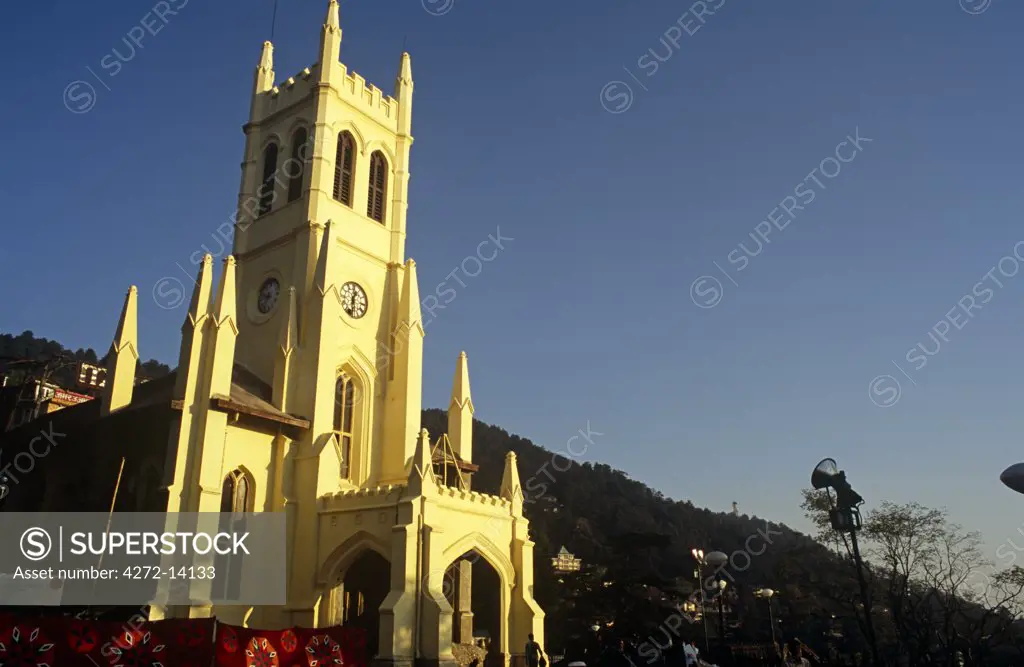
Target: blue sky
587,315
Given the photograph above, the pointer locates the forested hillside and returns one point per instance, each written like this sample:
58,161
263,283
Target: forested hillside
635,544
16,351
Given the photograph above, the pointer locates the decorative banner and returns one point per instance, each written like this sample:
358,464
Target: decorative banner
69,642
295,647
61,641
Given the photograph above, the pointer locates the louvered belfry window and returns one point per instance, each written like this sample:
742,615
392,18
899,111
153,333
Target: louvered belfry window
296,165
378,186
267,188
344,164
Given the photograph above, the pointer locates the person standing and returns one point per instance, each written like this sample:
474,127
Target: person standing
690,652
534,653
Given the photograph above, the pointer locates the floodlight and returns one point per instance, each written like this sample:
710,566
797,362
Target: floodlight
1013,477
824,473
716,559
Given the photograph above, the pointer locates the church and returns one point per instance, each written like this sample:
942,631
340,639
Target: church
298,391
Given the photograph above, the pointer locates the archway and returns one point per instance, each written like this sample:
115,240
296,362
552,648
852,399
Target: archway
355,599
473,588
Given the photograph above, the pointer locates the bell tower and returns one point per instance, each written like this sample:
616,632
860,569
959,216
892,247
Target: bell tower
327,303
298,389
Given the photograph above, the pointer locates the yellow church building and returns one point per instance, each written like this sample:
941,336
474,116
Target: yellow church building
298,390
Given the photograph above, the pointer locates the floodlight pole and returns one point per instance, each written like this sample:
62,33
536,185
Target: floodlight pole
698,555
845,518
704,613
865,595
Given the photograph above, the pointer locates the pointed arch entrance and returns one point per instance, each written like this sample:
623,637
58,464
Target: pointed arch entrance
364,586
360,580
474,589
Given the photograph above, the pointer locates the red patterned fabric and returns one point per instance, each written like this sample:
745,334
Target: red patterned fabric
68,642
295,647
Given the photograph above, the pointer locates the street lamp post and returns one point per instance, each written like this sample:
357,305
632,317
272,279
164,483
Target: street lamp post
768,594
698,555
722,583
717,560
845,517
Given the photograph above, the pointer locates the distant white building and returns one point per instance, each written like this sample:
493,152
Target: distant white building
565,561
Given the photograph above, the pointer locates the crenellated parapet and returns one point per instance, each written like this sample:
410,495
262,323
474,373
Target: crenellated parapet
368,98
352,499
473,497
272,96
359,499
351,88
283,95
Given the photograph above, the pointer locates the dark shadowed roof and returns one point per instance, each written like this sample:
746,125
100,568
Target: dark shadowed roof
249,395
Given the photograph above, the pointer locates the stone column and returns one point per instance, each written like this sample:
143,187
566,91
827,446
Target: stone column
464,603
436,613
398,611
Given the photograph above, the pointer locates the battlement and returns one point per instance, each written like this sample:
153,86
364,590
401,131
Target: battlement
474,497
288,92
353,89
356,91
343,500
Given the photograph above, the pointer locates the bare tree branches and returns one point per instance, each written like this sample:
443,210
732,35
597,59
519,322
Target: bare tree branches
940,595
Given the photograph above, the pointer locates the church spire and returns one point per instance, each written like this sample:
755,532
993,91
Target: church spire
460,411
224,331
224,310
123,356
511,489
193,330
404,78
330,40
405,390
403,93
332,21
403,142
265,70
421,475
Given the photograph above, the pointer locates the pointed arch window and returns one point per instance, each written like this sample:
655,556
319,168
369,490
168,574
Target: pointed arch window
237,493
375,207
297,166
267,186
344,406
236,498
344,168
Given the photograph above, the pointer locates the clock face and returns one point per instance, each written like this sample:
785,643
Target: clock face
268,295
353,300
